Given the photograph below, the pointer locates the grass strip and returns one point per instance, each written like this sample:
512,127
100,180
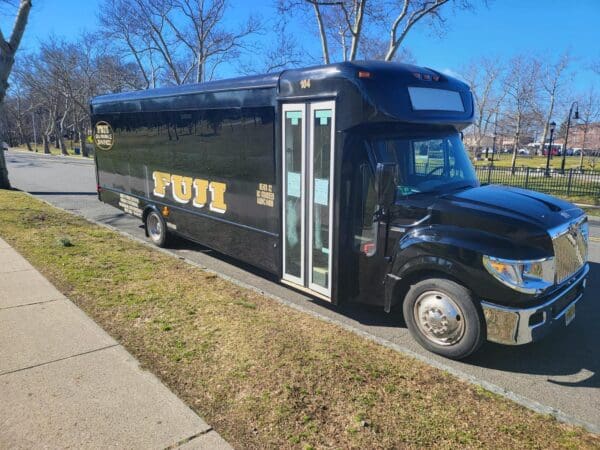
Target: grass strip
264,375
537,162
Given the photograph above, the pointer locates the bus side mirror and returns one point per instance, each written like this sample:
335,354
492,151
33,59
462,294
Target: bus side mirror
385,182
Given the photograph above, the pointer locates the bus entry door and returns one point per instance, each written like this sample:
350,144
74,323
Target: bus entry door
308,143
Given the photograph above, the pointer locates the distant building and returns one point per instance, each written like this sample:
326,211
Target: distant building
470,141
592,139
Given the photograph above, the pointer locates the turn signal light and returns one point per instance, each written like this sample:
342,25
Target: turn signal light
364,74
165,211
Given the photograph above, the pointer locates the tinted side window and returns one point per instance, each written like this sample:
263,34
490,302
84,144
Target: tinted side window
232,143
365,235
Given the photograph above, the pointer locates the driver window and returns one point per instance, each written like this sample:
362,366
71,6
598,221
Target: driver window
428,156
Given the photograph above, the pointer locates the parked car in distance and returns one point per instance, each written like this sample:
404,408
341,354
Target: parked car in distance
523,151
4,146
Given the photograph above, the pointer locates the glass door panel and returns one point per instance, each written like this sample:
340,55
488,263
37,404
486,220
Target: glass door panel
293,186
321,192
308,194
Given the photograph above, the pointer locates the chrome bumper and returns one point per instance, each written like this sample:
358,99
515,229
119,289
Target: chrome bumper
512,326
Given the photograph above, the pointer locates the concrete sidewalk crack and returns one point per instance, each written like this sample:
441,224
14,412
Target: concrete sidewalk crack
188,439
58,360
30,269
31,304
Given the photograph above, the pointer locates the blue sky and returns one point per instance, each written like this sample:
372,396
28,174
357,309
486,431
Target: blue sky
505,28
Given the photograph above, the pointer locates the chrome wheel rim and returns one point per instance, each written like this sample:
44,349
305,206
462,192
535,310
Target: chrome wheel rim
154,226
439,318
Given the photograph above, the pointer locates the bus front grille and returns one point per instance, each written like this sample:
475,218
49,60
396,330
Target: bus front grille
570,251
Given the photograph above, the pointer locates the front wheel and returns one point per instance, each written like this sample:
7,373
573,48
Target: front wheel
156,229
443,317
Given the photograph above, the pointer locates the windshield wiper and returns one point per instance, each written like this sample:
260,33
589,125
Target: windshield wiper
446,188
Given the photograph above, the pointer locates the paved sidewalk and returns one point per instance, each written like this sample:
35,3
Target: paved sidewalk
64,382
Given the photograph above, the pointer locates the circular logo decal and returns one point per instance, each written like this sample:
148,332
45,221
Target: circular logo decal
103,136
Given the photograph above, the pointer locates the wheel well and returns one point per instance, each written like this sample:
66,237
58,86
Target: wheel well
146,212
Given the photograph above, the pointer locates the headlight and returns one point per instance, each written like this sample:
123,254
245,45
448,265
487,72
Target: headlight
529,277
585,231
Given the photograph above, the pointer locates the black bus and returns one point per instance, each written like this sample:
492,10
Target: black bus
350,182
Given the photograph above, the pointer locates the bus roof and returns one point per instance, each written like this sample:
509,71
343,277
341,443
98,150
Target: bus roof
347,70
394,91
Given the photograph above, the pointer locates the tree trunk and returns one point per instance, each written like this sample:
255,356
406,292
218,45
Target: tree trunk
6,62
547,121
585,130
4,183
516,145
200,68
322,32
82,143
46,144
61,134
62,145
7,59
356,32
29,146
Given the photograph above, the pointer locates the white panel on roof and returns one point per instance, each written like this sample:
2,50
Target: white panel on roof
435,99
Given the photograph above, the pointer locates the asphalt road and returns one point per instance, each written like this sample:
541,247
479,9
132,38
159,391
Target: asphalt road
561,372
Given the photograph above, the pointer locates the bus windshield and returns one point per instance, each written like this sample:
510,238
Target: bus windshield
427,164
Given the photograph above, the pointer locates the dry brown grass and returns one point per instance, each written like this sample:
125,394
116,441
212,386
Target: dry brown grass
264,375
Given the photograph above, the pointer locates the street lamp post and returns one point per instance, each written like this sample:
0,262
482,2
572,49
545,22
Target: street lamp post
552,127
576,116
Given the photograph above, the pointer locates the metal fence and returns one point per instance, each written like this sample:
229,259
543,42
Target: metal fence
573,182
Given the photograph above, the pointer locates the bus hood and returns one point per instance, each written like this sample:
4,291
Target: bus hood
519,215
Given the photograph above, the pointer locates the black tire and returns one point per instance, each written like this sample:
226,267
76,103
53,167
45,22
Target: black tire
156,229
447,312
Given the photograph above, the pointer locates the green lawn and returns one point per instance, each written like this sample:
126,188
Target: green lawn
505,160
264,375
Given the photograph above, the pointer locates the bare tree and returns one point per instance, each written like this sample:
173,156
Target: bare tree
345,20
177,41
521,87
589,112
282,51
484,76
348,29
58,81
410,13
119,24
552,81
205,35
8,49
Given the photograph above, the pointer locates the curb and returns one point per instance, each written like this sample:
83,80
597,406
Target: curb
89,159
461,375
593,220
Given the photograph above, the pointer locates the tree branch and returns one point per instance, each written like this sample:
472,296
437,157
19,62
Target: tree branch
414,18
20,24
322,32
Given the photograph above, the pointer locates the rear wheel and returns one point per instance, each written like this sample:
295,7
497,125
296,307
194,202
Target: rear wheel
156,228
443,317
